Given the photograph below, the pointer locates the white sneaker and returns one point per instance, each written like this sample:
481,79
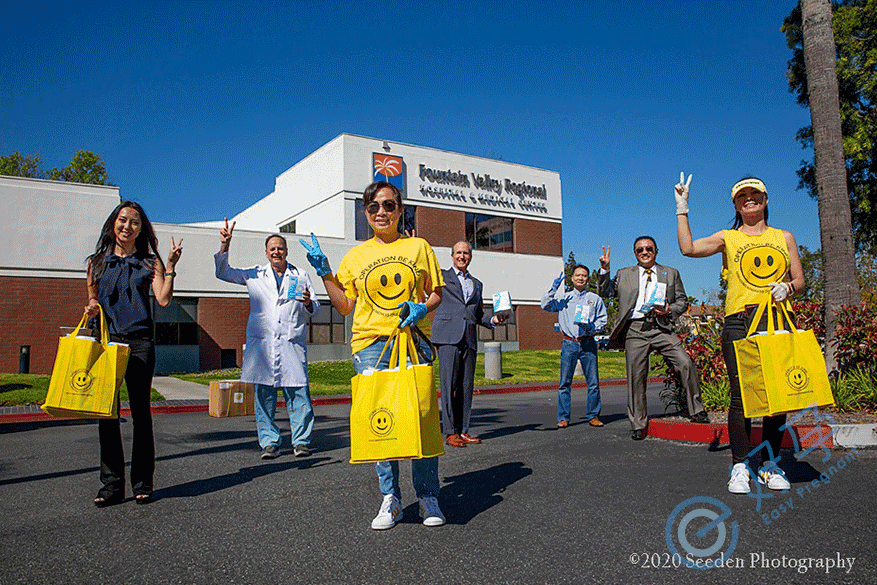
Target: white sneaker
772,476
739,483
389,514
430,512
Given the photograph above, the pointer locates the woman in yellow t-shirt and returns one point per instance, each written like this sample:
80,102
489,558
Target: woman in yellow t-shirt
374,280
757,260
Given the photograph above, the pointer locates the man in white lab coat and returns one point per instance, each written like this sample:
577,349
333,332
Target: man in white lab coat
276,353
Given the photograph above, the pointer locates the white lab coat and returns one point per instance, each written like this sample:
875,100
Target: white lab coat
277,335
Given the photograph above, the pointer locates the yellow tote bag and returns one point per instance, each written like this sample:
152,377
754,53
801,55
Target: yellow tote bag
87,375
394,413
781,371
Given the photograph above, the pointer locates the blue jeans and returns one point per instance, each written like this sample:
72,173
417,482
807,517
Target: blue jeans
424,472
584,351
301,414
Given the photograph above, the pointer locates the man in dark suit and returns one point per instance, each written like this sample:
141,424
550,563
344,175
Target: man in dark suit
456,341
641,332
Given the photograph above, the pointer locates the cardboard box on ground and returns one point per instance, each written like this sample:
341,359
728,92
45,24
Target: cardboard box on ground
231,398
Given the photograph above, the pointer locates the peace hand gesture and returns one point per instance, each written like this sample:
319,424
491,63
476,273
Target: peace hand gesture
604,259
681,193
315,256
174,255
226,232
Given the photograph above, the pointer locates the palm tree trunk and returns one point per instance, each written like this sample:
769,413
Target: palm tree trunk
841,284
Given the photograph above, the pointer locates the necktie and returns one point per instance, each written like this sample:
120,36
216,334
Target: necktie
648,275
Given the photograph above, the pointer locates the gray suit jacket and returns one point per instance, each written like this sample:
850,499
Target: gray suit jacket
455,318
625,286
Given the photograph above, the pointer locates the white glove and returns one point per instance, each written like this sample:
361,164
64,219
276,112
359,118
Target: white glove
780,291
681,193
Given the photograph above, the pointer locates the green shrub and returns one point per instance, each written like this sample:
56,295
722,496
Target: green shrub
716,395
854,390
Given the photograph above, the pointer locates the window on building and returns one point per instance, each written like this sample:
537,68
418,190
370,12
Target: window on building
326,326
288,228
176,324
488,232
508,331
364,231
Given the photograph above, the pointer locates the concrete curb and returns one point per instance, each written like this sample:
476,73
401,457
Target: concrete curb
857,436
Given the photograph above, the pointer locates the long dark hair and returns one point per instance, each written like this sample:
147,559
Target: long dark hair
738,219
145,246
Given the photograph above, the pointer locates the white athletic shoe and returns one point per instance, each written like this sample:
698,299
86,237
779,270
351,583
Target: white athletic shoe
772,476
430,512
739,482
389,514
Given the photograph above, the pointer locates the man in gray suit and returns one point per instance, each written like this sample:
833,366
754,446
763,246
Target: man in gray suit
640,333
453,333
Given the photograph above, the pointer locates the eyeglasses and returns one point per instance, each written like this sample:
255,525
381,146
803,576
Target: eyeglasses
389,206
644,249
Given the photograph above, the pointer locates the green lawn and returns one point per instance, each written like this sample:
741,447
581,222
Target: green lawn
18,389
519,367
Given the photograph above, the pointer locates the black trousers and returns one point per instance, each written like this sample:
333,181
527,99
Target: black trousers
740,427
138,378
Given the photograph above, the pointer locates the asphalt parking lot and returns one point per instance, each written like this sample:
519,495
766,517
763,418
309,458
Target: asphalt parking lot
530,505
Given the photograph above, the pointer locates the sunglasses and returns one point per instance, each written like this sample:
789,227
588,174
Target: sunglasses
644,249
389,206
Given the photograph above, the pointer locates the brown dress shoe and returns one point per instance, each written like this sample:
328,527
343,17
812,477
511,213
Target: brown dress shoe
455,441
470,439
562,424
595,422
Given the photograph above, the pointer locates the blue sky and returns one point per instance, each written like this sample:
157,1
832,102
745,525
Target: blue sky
197,106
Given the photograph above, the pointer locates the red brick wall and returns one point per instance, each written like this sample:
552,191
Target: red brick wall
441,227
222,325
32,310
538,237
536,328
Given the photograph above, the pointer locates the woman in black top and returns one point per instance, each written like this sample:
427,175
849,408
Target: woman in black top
124,265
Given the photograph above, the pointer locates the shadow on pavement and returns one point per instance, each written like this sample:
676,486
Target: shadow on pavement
199,487
465,496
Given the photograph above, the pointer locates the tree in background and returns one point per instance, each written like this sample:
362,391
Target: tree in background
811,262
855,36
835,224
567,269
16,165
867,269
86,167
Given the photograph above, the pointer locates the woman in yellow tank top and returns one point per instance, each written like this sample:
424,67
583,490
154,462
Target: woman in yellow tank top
757,260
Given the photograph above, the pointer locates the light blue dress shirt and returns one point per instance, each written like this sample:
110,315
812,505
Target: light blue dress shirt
565,305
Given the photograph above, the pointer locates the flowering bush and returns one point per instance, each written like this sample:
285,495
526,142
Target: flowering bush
810,316
856,352
856,339
705,350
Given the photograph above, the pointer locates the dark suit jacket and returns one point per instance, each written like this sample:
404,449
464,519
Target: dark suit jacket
455,318
625,286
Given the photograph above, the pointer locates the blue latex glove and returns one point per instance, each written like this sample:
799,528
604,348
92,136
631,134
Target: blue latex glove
315,256
416,312
558,280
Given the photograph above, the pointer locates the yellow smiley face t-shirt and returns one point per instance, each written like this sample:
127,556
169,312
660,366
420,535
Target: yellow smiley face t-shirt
379,277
